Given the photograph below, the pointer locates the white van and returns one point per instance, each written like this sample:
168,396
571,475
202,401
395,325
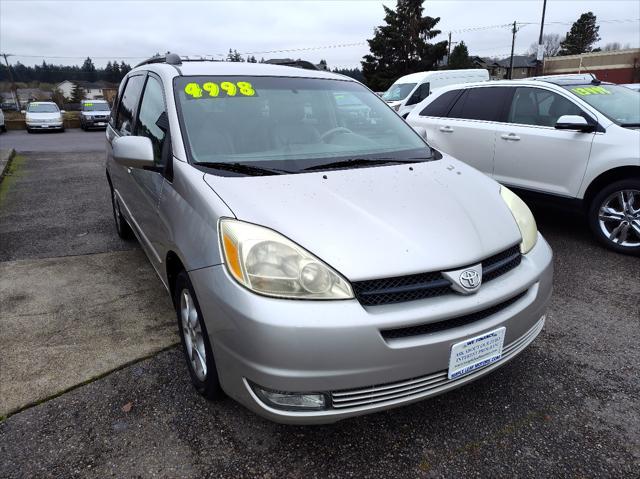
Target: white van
410,90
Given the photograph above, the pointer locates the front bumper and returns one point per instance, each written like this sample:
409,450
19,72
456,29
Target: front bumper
45,126
95,123
336,347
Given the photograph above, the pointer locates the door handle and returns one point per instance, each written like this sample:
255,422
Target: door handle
510,137
446,129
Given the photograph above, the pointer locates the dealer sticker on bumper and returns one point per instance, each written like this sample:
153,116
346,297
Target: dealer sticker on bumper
475,353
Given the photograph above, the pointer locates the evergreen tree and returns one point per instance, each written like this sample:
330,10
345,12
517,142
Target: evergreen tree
124,69
252,59
401,45
234,56
116,74
354,73
107,73
77,93
582,36
459,57
89,70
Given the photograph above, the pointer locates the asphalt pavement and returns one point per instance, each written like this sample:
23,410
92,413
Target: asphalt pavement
566,407
71,140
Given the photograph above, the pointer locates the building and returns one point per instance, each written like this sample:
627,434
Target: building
25,95
92,90
523,66
621,66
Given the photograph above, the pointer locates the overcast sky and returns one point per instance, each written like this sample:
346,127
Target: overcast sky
68,31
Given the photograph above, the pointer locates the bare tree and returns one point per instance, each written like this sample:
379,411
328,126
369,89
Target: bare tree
551,44
613,46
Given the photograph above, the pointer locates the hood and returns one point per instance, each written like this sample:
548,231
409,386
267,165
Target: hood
43,116
96,113
382,221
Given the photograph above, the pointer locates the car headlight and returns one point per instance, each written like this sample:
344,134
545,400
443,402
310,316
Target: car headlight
524,218
268,263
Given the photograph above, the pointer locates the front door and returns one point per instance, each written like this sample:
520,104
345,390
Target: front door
531,154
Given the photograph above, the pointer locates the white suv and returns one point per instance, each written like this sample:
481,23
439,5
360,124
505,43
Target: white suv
568,138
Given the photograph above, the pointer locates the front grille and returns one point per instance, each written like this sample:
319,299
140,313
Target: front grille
501,263
449,323
399,289
423,386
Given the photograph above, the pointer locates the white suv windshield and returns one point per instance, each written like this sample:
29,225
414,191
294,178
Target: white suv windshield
398,91
95,107
618,103
289,122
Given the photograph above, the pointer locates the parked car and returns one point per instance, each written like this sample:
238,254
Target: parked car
43,115
94,114
633,86
318,271
570,139
410,90
3,127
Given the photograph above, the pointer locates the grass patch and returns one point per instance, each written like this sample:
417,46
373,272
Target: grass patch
11,173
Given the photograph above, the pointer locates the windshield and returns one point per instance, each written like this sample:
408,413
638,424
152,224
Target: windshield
43,108
289,123
618,103
95,107
398,91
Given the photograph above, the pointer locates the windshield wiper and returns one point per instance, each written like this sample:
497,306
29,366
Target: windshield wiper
241,168
630,125
362,162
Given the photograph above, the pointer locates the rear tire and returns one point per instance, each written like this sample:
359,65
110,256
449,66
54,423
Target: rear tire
195,340
122,227
614,216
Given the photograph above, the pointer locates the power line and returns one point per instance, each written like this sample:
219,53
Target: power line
303,49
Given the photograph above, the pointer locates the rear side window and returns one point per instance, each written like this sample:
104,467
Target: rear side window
128,102
539,107
485,104
440,106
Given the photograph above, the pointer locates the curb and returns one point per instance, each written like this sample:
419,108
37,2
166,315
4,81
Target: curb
5,160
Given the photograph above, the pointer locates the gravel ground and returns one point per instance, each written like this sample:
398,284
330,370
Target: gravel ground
566,407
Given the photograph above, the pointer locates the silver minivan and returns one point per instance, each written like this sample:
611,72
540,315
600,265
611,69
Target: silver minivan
323,260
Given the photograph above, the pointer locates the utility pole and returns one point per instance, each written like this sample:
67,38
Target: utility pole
540,55
13,84
449,54
513,44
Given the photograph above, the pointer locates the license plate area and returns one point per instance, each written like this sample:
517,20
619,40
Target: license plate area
475,353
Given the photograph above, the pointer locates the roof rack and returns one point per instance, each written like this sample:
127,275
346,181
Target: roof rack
569,78
169,58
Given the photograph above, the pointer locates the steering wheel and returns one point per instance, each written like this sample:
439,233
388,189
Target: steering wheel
333,131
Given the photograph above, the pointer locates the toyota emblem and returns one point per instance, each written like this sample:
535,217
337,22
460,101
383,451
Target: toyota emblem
470,279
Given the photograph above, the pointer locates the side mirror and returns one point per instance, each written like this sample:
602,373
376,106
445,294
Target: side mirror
573,122
133,151
420,131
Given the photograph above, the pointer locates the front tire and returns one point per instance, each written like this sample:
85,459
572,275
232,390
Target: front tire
122,227
614,216
195,340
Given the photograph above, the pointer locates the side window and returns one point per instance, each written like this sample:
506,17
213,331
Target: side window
420,94
535,106
485,103
127,106
152,112
441,105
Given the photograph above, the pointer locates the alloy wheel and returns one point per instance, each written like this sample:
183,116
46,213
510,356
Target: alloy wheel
619,218
193,338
